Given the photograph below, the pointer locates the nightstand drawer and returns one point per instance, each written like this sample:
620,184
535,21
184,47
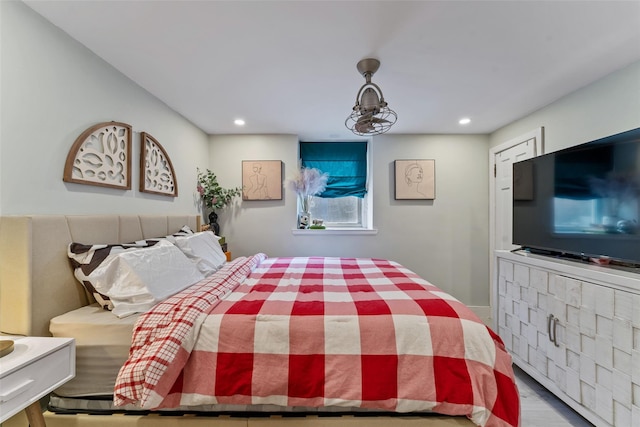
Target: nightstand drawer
30,381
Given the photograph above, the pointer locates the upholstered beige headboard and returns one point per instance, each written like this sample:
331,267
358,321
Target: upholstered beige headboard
36,279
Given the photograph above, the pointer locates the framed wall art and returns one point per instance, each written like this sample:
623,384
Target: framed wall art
415,179
101,156
156,171
261,180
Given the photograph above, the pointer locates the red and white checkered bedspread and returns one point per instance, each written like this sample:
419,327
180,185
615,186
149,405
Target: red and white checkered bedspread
320,332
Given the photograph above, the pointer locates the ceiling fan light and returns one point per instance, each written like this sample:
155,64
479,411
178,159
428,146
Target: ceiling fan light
370,115
370,100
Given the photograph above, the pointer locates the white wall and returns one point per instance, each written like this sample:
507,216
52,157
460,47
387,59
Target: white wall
53,88
445,240
608,106
254,225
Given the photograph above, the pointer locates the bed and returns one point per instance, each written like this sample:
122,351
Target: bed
265,316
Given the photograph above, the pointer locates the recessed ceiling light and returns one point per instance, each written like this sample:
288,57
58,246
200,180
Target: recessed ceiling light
464,121
239,122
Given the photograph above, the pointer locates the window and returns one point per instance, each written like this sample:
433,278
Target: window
591,215
345,202
574,215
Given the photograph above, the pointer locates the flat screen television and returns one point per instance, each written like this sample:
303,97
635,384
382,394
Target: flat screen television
582,201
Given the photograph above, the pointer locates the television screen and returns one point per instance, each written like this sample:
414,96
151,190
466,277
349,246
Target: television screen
583,200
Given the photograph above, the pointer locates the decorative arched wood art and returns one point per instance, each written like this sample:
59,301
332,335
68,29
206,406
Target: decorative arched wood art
101,156
156,171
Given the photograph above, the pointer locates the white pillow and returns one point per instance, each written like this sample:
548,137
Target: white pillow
136,280
85,259
203,249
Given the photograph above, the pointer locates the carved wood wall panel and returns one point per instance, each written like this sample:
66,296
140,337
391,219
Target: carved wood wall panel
101,156
156,171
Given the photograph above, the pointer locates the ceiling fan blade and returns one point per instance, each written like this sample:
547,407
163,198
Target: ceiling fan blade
366,116
363,126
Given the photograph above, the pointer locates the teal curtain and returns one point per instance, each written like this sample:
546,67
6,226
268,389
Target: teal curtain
345,162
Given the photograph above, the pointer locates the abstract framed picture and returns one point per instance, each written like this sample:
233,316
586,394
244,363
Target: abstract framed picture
157,175
261,180
415,179
101,156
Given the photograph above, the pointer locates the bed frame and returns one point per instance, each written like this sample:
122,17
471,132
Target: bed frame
37,284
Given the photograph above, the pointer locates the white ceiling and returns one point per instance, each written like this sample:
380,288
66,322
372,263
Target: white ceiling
290,66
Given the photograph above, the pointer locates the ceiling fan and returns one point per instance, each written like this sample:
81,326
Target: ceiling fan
370,115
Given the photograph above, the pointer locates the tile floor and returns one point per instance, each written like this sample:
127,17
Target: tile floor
540,408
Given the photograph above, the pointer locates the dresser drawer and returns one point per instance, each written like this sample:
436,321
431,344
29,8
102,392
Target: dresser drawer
31,381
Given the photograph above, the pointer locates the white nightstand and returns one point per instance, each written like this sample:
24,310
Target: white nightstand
37,366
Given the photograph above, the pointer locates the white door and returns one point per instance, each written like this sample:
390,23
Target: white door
501,160
503,172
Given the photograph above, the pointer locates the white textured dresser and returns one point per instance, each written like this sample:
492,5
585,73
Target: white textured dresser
37,366
575,328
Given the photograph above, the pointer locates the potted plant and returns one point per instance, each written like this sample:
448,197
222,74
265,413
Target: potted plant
214,196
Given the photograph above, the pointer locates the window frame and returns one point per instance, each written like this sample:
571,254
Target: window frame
365,205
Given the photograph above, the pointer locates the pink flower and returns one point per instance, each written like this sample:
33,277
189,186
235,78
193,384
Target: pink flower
214,200
200,189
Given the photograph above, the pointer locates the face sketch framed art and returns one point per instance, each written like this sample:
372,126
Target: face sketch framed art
415,179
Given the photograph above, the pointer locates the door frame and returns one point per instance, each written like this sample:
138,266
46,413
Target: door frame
538,135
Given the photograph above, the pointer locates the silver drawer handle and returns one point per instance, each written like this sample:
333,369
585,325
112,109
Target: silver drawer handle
21,388
555,332
552,329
